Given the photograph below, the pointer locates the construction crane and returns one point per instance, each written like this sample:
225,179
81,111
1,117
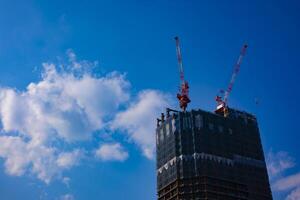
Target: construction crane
222,98
183,95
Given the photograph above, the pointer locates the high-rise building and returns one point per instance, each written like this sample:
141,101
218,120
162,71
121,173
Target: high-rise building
203,155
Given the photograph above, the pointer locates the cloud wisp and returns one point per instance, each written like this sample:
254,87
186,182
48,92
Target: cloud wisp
287,183
278,164
68,106
67,197
294,195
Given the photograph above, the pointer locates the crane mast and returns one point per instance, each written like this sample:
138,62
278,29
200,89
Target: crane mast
183,95
222,98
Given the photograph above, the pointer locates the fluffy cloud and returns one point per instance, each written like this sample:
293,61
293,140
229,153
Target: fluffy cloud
111,152
40,160
67,107
12,149
69,159
138,121
70,107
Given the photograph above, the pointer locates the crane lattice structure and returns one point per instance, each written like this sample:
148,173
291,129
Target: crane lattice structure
222,98
183,95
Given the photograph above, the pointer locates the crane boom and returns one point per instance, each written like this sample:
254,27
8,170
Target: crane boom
183,95
235,72
222,102
179,58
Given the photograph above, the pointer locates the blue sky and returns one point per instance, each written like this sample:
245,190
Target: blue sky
134,40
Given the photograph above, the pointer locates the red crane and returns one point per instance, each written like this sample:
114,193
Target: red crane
222,98
183,95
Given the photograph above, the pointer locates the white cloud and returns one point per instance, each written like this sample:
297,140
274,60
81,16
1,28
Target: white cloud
21,157
66,107
111,152
44,162
59,107
69,159
67,197
278,162
62,104
287,183
294,195
139,119
13,148
66,181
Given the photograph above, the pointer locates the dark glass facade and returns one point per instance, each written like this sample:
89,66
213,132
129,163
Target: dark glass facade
202,155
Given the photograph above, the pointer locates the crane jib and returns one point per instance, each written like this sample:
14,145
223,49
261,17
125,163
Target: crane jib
236,70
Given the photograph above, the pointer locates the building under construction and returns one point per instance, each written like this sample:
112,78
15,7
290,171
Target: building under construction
203,155
210,155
